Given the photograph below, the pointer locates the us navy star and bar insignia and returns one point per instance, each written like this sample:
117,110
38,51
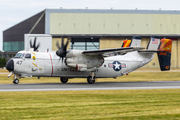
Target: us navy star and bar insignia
116,65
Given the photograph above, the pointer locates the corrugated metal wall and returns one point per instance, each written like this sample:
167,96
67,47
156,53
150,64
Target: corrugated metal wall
105,23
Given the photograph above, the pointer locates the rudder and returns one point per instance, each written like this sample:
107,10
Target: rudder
164,54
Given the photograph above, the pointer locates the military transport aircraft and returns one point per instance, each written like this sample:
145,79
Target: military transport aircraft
88,64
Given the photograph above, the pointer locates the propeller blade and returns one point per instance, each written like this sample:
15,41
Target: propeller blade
67,43
62,51
31,43
57,44
62,59
37,47
34,45
62,43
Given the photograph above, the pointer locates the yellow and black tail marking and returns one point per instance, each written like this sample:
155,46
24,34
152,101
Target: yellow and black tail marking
165,45
126,43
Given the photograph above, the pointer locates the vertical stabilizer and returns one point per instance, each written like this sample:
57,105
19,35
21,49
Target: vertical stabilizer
126,43
153,43
136,41
164,54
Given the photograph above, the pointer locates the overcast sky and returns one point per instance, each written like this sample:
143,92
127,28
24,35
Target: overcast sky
15,11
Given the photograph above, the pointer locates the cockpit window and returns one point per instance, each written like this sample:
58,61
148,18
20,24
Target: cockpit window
28,55
18,55
22,55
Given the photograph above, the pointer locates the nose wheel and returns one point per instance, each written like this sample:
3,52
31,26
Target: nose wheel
15,81
16,78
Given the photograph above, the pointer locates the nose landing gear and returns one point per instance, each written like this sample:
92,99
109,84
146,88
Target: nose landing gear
16,81
16,78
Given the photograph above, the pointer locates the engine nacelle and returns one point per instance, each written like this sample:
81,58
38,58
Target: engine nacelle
78,67
82,62
81,67
70,60
73,53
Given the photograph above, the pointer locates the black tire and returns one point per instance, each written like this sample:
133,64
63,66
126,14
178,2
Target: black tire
64,80
16,81
90,80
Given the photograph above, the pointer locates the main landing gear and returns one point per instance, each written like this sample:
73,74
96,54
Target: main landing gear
64,80
91,78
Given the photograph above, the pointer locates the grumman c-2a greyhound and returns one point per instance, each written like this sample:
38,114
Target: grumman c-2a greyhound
88,64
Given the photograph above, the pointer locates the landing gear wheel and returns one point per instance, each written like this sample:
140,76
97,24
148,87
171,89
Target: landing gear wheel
16,81
90,80
64,80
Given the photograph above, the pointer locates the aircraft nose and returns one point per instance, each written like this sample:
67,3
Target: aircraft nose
10,65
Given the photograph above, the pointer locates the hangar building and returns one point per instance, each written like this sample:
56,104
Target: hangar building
98,29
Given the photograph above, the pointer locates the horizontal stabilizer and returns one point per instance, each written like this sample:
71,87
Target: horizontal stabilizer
148,51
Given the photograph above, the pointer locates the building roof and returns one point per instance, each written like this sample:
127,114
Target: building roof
136,11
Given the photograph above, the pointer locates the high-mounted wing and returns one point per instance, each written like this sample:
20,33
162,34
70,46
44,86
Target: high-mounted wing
108,51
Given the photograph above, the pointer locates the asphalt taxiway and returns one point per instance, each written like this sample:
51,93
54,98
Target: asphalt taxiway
86,86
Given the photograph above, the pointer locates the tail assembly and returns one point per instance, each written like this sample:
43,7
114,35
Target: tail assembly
162,48
164,54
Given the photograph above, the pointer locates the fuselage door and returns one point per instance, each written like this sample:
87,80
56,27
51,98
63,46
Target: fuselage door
27,62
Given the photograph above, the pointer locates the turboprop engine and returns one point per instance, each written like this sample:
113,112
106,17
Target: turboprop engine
76,59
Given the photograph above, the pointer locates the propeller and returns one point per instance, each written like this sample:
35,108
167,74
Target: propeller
62,51
34,44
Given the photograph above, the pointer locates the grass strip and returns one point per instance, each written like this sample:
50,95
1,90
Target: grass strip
100,104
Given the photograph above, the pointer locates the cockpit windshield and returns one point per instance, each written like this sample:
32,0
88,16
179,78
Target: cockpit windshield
18,55
23,55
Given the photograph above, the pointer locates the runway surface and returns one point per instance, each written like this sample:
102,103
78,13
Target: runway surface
86,86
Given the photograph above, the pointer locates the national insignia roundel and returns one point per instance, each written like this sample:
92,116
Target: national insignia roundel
116,65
